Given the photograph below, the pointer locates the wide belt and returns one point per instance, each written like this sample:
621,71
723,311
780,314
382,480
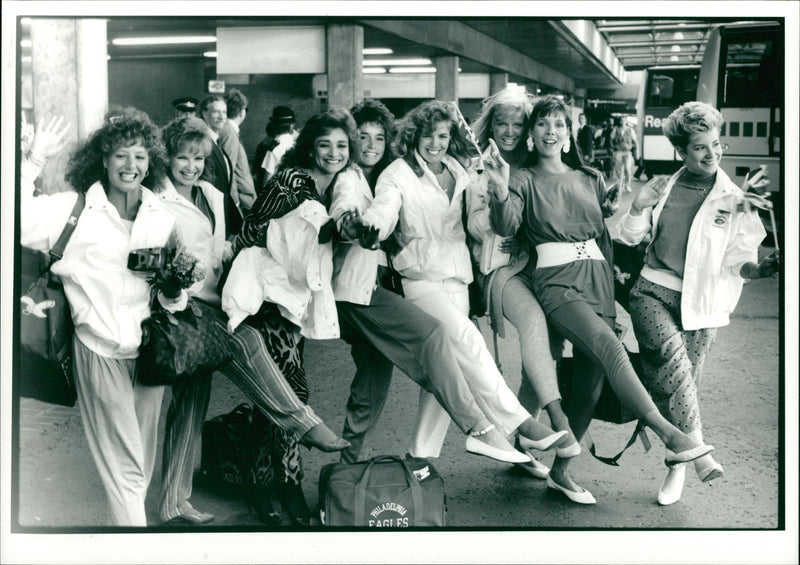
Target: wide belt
562,252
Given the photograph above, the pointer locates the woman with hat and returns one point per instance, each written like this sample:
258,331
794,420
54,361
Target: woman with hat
281,134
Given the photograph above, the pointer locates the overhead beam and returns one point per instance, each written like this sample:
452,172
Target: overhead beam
464,41
582,35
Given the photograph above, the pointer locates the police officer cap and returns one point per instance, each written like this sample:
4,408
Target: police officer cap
186,104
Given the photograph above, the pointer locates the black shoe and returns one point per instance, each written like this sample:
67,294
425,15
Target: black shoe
260,502
294,504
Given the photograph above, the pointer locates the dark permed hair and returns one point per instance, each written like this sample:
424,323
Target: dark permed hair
422,120
550,105
236,102
368,111
121,127
318,125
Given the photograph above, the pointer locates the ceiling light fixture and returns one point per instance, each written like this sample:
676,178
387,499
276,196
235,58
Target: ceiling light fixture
674,58
25,43
376,51
395,62
373,70
164,40
675,49
408,70
210,54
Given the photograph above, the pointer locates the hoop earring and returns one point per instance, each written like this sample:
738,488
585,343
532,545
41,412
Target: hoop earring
566,146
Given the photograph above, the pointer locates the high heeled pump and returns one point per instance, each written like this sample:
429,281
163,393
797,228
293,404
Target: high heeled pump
321,437
260,502
293,502
542,444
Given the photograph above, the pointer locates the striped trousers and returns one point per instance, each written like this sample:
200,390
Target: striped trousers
252,370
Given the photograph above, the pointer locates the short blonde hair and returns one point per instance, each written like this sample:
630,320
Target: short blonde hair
688,119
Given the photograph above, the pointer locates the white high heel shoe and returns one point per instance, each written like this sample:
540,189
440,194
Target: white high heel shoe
671,489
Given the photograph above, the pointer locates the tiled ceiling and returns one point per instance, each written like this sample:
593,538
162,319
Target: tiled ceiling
646,43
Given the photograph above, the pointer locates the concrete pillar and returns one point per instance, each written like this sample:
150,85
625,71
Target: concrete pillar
446,78
70,77
497,82
344,45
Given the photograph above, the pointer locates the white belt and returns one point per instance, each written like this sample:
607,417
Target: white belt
561,252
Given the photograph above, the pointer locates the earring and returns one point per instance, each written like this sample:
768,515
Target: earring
529,143
147,172
565,147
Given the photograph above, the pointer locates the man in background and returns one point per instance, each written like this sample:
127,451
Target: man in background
243,191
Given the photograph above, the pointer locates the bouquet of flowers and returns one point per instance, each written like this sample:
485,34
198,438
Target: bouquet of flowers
186,269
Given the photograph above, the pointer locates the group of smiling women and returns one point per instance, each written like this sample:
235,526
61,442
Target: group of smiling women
404,195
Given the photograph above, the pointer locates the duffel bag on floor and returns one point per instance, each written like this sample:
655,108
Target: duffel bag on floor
383,492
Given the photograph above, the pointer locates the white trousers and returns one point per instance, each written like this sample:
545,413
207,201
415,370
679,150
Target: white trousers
120,419
448,301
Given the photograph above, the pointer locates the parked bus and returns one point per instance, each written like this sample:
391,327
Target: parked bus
742,75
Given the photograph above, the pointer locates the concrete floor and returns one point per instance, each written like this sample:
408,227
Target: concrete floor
58,486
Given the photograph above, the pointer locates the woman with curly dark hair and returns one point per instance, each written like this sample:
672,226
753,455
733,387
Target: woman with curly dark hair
306,173
419,202
559,207
108,300
384,329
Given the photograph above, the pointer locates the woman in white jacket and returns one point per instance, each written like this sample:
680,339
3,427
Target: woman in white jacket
109,301
703,244
385,329
199,210
419,199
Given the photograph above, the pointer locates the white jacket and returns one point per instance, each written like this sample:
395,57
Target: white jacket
355,269
431,230
722,239
293,271
107,300
209,247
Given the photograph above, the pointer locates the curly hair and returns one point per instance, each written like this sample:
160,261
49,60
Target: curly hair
688,119
553,105
300,156
511,99
121,127
236,102
373,111
421,121
184,132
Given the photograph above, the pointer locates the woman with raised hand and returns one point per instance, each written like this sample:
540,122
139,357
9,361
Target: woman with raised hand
502,129
558,205
109,301
418,198
703,245
200,213
385,329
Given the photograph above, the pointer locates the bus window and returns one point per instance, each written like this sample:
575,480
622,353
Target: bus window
751,73
669,88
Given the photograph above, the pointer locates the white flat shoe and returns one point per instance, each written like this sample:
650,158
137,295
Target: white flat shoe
541,444
572,450
477,447
710,473
688,455
580,497
672,487
534,468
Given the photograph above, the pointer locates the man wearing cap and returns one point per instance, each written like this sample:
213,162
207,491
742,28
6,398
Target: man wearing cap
219,170
185,106
243,191
281,134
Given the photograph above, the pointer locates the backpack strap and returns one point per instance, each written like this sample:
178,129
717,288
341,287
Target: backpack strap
57,252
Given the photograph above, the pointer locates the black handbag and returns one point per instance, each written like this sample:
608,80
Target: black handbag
179,345
226,458
45,323
383,492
